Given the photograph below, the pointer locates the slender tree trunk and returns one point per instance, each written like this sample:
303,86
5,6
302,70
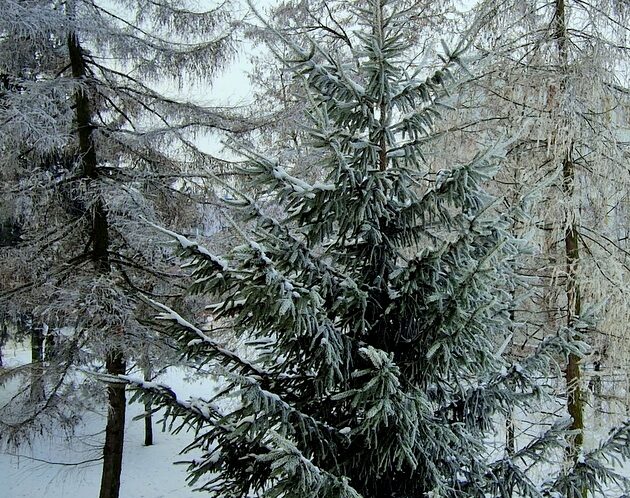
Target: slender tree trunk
49,346
148,424
4,334
383,105
510,446
37,357
115,429
596,384
148,418
510,434
510,430
99,237
573,372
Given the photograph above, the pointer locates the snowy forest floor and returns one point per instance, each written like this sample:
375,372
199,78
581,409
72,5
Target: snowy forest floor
148,471
45,467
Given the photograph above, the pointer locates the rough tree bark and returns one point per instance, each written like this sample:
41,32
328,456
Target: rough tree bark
115,429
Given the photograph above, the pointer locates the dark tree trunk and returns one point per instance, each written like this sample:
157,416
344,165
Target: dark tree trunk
99,240
510,448
510,429
4,334
49,346
148,418
148,424
114,431
596,383
37,357
510,434
573,372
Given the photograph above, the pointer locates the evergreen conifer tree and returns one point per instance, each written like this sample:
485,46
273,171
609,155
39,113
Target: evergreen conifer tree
375,307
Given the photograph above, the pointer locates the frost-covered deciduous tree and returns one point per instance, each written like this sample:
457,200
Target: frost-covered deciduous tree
559,72
375,303
88,147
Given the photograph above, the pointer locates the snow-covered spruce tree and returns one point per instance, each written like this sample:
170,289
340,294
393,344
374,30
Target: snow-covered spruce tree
376,307
87,147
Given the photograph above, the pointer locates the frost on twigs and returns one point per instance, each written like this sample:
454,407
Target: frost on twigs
88,148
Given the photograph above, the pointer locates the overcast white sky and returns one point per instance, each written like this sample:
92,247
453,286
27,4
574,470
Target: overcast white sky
232,86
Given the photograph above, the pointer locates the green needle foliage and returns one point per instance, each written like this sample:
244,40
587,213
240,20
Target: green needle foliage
376,306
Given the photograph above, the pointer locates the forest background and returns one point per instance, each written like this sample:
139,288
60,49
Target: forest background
75,227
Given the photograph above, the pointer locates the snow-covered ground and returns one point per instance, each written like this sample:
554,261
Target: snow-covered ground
148,472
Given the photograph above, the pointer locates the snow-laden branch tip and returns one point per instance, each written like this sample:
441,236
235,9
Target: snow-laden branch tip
202,408
167,314
297,185
188,244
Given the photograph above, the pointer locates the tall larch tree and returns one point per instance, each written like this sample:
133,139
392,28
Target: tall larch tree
89,146
557,76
